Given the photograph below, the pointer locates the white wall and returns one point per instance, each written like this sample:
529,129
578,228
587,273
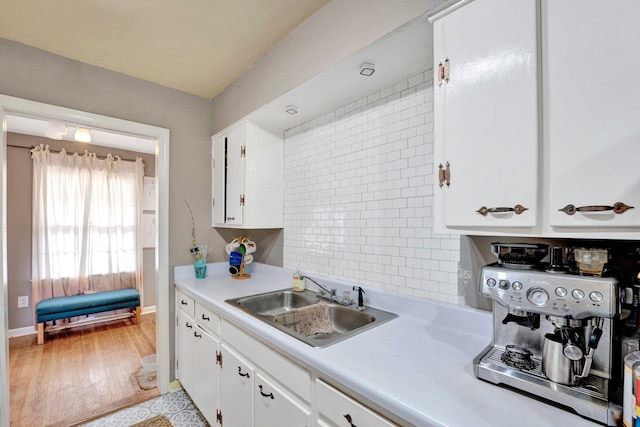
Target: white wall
358,195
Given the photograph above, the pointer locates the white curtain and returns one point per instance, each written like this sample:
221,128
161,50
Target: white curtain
86,223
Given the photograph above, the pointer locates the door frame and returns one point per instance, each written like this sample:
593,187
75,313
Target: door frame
21,107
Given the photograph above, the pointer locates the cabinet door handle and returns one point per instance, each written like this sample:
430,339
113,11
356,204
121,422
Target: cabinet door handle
183,302
518,209
196,334
444,175
207,318
265,395
241,374
188,325
617,208
231,218
349,420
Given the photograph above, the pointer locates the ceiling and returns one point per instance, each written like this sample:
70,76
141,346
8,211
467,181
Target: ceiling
402,53
203,49
107,138
194,46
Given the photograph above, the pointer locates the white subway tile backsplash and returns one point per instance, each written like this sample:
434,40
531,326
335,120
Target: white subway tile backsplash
359,195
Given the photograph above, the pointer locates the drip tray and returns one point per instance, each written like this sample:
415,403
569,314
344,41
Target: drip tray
593,386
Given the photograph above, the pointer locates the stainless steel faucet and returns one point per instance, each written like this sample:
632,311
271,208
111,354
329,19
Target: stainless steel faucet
329,295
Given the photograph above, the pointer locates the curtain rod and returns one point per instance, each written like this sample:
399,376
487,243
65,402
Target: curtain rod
54,151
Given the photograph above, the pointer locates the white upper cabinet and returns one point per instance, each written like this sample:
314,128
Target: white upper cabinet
247,164
490,158
486,115
592,112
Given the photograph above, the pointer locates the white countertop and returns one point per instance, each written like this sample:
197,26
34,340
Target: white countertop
417,366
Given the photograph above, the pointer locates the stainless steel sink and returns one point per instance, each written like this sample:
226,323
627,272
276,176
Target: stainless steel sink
347,321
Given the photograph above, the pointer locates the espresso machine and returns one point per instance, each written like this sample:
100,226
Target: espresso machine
554,335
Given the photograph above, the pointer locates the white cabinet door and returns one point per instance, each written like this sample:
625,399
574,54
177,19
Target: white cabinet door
337,409
486,114
247,178
274,407
235,175
592,105
219,167
205,373
184,350
228,177
236,387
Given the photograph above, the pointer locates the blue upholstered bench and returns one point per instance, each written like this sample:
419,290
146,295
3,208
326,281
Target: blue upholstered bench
79,305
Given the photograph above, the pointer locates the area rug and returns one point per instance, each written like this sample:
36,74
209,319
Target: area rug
177,407
146,380
157,421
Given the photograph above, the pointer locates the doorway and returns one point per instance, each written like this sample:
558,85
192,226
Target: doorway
25,108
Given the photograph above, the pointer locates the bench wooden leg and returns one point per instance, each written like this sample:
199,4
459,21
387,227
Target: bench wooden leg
138,310
40,333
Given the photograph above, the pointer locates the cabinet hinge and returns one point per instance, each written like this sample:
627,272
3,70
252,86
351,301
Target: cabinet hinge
243,151
444,175
219,358
242,200
219,416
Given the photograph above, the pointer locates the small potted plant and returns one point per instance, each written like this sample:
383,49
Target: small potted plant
198,252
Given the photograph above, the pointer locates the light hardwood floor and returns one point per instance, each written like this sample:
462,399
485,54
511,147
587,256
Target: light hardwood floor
78,373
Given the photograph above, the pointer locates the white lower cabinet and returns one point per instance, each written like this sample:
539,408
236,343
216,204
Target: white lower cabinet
197,347
278,390
184,350
336,409
276,407
236,383
206,373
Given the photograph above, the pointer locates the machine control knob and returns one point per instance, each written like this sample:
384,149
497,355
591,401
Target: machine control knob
517,286
596,297
561,292
503,284
538,297
491,282
577,293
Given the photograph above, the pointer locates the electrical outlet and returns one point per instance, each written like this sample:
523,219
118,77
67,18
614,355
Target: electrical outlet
23,301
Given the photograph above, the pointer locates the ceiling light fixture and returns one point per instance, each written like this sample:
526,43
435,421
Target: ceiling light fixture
55,131
82,135
367,69
291,109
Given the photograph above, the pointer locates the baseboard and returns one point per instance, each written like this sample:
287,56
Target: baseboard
150,309
31,330
21,332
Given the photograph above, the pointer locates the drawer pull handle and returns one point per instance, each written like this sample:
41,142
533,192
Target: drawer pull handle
207,318
617,208
518,209
231,218
196,334
183,302
266,395
349,420
188,325
241,374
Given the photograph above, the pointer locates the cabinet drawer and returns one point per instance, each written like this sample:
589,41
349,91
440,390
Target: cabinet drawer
298,379
185,303
275,407
207,319
339,408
